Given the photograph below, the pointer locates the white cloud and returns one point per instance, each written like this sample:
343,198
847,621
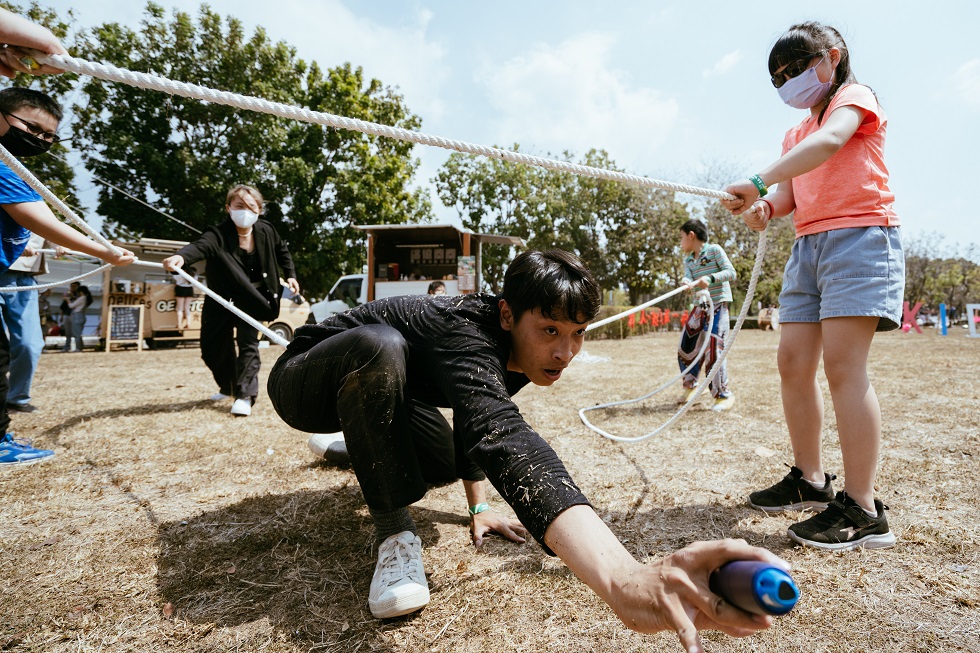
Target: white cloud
550,99
723,65
967,82
400,55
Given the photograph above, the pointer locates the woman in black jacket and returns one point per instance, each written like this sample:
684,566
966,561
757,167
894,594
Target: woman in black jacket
243,257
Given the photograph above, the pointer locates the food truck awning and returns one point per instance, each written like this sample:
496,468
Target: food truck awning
437,231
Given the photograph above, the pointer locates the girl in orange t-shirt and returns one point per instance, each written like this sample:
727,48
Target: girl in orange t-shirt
844,281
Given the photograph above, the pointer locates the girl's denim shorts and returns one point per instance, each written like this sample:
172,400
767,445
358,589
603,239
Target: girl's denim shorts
856,272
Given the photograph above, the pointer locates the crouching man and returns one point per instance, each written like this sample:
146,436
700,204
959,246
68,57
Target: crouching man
376,371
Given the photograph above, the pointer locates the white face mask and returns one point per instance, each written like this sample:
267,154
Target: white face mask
243,218
805,90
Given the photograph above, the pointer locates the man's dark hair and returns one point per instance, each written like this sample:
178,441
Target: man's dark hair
15,98
554,282
696,227
435,285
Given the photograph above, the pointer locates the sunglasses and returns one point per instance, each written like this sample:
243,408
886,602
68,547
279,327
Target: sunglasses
36,130
793,69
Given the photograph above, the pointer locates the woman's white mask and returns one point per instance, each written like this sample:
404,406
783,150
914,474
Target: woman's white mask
805,90
243,218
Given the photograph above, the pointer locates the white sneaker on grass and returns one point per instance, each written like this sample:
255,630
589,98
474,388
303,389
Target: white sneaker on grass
242,407
330,447
398,586
219,396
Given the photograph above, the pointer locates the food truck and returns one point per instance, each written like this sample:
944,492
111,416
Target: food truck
403,259
143,295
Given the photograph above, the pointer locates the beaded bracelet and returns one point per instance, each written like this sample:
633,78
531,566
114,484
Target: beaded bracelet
478,508
760,185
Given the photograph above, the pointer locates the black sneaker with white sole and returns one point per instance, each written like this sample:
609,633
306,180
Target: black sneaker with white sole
793,493
844,525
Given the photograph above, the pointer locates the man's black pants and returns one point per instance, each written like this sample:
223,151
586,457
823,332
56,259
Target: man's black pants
356,381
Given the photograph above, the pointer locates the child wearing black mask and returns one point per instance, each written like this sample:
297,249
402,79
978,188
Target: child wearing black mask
28,124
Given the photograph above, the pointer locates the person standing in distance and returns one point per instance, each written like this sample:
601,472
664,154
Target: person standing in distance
244,256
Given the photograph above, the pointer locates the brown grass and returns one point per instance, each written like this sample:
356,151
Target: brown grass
164,524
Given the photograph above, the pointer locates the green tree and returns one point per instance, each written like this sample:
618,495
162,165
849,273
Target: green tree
643,243
182,155
492,196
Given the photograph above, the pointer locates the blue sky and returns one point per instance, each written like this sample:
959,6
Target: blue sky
671,90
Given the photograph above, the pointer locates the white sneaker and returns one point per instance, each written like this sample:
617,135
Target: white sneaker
241,408
329,446
219,396
398,586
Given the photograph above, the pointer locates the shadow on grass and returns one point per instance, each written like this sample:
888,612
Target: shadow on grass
133,411
303,561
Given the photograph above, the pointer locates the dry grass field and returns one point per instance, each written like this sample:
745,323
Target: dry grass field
165,524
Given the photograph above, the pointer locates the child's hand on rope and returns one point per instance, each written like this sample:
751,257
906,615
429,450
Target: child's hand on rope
745,193
757,217
124,257
18,31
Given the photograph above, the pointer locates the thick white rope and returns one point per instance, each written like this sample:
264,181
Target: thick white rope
54,284
251,103
636,309
54,200
268,333
729,342
245,317
709,306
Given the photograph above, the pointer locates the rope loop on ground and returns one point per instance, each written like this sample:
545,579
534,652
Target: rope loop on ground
760,254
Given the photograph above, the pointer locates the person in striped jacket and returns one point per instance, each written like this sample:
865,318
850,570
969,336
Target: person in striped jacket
707,265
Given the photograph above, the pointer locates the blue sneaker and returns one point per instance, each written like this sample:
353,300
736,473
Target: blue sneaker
19,452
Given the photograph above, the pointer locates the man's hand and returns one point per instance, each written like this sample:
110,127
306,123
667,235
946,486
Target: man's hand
293,285
672,593
490,522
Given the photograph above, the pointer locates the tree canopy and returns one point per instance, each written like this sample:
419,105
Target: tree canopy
183,155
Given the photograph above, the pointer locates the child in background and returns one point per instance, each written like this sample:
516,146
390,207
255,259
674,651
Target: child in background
844,281
708,265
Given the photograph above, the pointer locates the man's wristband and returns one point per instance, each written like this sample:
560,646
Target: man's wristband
760,185
478,508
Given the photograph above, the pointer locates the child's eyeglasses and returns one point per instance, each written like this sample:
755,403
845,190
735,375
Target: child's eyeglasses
793,69
37,130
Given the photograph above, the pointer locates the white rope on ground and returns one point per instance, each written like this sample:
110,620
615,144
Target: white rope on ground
709,305
729,342
54,200
251,103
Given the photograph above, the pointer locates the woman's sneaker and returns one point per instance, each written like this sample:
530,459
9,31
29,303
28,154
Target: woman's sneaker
843,526
20,452
398,586
793,493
